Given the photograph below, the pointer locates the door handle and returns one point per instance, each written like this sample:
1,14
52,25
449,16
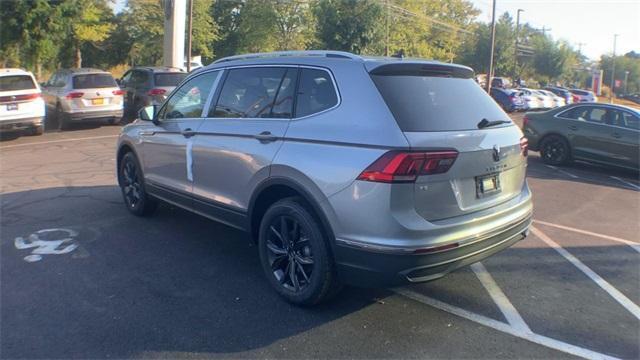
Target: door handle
266,136
146,132
573,127
188,133
616,135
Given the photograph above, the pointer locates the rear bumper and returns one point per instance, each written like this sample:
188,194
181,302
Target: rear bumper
21,124
375,267
103,114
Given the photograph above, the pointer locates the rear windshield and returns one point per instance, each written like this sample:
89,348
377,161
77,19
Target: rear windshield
16,82
168,79
92,81
580,92
426,103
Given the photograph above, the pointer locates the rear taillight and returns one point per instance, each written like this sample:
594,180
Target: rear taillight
576,98
25,97
118,92
405,167
525,121
524,146
74,95
156,92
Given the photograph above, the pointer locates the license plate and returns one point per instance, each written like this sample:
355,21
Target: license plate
98,101
488,184
12,107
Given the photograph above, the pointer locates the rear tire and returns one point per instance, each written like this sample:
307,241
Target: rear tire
295,254
114,121
555,150
37,130
131,181
63,124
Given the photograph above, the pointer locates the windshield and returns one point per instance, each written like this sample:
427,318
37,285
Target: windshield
16,82
92,81
169,79
425,103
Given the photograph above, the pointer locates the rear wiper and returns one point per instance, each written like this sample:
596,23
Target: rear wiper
486,123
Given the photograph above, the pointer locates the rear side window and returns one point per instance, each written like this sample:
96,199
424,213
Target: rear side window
316,92
250,93
92,81
431,103
168,79
16,82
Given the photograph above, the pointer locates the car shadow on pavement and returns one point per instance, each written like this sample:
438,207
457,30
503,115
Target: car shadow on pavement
583,172
174,282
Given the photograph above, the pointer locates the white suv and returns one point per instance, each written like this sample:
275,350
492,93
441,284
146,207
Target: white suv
21,104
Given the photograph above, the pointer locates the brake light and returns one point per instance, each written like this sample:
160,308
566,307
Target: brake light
118,92
524,146
25,97
576,98
156,92
405,167
74,95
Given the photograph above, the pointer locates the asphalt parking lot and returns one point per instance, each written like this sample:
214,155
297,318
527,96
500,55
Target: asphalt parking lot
81,278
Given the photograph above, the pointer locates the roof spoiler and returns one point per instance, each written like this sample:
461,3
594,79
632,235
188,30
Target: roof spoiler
423,69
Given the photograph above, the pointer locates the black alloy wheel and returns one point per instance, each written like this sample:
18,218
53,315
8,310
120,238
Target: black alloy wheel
554,150
132,185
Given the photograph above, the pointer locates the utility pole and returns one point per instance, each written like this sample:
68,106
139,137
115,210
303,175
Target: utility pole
544,30
613,68
580,47
515,69
386,41
189,36
493,45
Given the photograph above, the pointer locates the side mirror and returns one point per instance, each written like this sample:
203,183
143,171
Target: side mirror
149,113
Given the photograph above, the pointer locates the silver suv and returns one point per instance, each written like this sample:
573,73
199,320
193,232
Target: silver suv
344,169
74,95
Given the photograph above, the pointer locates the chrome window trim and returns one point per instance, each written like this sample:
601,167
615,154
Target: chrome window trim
328,71
558,115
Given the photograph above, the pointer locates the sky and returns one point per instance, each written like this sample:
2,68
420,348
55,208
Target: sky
591,22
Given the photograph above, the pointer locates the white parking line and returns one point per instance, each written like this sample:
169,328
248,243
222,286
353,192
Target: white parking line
57,141
563,172
633,244
617,295
501,300
626,182
505,328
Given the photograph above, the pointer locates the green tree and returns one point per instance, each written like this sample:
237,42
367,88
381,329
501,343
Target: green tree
629,62
348,25
90,23
205,31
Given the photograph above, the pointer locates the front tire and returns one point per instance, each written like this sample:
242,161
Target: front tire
37,130
295,254
555,150
135,197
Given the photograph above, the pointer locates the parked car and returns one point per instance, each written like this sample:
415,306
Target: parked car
583,96
510,100
304,149
76,95
148,85
546,100
499,82
21,104
600,133
532,100
557,100
563,93
632,97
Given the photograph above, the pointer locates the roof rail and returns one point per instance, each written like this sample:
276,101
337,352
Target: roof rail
275,54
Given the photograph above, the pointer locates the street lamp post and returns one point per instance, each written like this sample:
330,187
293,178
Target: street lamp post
613,69
517,35
493,45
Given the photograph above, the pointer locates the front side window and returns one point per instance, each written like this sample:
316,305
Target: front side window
316,92
625,119
189,100
250,93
